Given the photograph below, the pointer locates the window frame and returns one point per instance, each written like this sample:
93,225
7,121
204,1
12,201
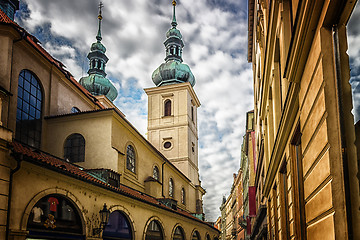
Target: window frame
29,110
171,188
167,108
298,184
151,227
183,196
134,158
178,233
156,169
81,155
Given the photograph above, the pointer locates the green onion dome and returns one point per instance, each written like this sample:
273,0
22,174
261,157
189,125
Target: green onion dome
173,71
96,82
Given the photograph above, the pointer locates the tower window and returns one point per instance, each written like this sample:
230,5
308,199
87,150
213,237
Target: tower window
171,188
130,158
167,108
167,145
29,113
156,173
192,113
74,149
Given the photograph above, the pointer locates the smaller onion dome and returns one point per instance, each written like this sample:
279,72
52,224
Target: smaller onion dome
98,46
96,82
173,32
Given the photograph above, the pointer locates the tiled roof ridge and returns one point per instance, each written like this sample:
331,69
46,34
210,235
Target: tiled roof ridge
37,45
45,159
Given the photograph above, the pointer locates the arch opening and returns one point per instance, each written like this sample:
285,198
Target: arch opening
154,231
118,227
55,217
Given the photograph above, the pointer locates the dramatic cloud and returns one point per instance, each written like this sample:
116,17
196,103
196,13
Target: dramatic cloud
215,36
354,54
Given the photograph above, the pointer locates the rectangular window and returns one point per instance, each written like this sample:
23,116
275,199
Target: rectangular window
276,218
284,202
298,184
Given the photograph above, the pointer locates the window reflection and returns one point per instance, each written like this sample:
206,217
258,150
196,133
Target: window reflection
29,112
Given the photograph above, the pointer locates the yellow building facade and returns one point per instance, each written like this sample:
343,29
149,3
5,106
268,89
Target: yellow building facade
65,153
306,159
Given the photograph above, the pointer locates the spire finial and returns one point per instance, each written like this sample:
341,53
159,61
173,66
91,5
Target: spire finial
174,23
98,36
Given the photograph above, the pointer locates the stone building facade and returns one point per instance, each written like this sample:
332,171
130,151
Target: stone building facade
68,155
306,158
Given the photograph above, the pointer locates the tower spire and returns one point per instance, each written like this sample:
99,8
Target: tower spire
173,70
174,23
98,36
96,82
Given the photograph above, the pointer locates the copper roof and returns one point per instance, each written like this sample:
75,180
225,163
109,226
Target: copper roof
35,43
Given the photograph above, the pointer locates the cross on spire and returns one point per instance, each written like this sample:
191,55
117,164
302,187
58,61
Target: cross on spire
101,5
98,37
174,23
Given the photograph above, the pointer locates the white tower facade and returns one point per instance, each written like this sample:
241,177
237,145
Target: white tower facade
172,126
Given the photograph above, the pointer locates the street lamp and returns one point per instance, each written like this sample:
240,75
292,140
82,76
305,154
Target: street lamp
104,218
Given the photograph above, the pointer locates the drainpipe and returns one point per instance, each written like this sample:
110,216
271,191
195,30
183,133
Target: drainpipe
12,171
336,46
162,181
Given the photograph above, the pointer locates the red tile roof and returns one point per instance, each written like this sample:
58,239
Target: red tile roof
4,18
61,166
35,43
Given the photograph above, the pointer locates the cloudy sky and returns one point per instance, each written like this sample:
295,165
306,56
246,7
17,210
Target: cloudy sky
354,54
215,36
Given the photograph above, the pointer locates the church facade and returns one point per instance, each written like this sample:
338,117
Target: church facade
73,167
307,171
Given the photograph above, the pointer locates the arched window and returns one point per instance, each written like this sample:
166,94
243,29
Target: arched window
208,237
183,196
29,110
167,108
75,110
195,236
74,148
156,173
154,231
118,227
179,234
55,215
130,158
171,187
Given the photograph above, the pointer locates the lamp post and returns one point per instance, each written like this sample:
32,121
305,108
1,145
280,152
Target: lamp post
104,218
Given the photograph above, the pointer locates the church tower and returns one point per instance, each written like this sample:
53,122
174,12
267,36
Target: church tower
96,82
172,109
